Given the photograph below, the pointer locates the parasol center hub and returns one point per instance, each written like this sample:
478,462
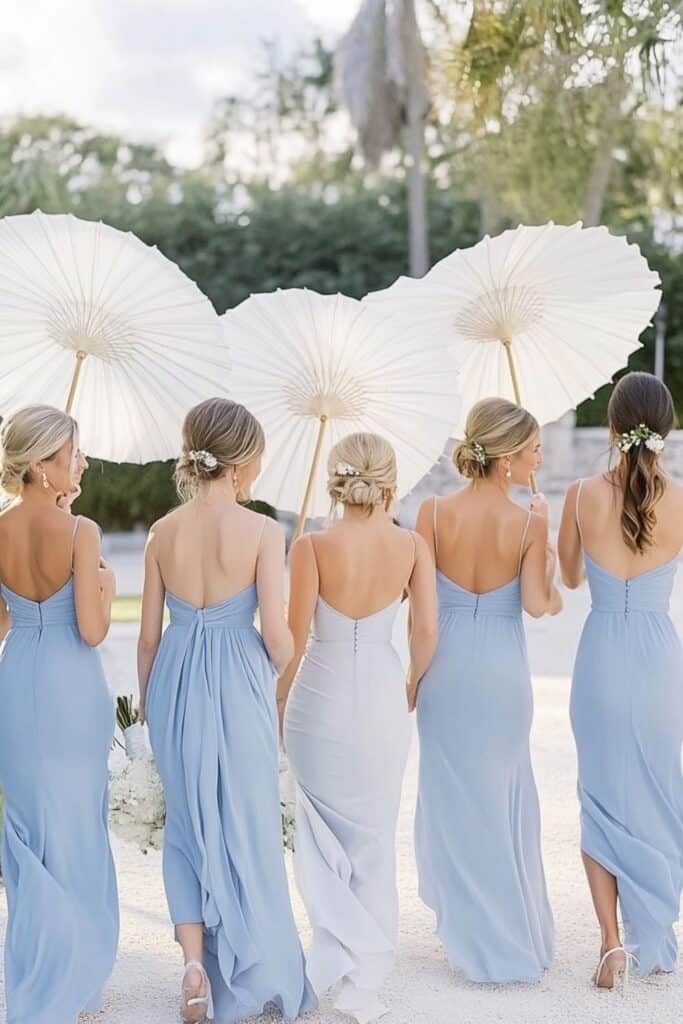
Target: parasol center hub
501,314
90,329
347,401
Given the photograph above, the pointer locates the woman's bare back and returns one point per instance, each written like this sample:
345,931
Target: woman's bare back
363,566
207,552
598,503
36,549
479,538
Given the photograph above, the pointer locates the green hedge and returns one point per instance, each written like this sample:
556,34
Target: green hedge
126,497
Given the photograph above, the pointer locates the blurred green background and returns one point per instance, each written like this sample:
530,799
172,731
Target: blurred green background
538,111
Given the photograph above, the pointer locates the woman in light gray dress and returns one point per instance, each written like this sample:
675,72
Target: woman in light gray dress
347,723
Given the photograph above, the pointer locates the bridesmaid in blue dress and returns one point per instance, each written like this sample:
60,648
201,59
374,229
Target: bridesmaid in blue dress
207,688
477,830
623,530
56,729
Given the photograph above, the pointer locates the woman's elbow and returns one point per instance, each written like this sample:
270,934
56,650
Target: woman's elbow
280,647
93,637
148,647
426,637
571,580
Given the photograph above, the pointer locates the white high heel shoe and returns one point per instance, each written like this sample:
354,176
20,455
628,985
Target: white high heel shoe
619,972
195,1006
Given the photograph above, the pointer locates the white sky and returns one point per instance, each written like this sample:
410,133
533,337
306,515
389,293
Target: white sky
149,69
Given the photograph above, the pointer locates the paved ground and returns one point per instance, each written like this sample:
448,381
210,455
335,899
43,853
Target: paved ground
421,989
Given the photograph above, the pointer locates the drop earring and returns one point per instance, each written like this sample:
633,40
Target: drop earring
508,471
236,484
46,482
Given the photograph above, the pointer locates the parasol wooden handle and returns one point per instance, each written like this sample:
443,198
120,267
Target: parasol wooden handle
507,345
311,479
80,356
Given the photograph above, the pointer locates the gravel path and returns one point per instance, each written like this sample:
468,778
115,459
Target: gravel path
421,989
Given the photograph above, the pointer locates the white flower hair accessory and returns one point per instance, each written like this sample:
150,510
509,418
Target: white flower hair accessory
641,434
477,450
205,459
344,469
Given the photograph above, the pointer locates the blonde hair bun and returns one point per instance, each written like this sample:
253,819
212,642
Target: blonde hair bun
495,428
361,471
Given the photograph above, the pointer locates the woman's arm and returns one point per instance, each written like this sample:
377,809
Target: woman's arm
539,594
151,620
303,594
569,546
270,584
94,587
423,629
425,525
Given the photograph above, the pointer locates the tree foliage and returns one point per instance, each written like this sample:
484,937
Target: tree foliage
538,109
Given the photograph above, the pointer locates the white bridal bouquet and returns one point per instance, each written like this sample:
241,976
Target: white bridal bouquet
287,802
137,810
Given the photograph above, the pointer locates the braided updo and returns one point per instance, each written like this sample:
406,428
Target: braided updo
361,471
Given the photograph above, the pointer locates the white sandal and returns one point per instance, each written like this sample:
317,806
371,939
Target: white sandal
195,1006
619,973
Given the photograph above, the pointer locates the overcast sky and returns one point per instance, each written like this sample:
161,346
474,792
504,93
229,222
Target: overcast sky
147,68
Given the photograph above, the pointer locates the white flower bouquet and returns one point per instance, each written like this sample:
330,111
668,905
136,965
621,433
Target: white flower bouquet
137,809
287,803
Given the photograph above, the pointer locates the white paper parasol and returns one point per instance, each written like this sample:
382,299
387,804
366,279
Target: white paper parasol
315,367
541,315
95,321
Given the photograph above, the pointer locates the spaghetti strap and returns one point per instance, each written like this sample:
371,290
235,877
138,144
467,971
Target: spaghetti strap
581,536
315,558
524,536
436,538
73,542
412,568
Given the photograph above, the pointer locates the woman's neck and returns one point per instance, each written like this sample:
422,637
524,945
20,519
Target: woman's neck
214,492
491,485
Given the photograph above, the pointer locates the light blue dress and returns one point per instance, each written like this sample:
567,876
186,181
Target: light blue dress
56,728
477,830
627,717
213,727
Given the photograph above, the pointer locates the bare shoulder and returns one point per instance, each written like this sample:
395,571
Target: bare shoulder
421,546
167,522
9,512
86,527
427,507
674,490
272,531
672,499
595,485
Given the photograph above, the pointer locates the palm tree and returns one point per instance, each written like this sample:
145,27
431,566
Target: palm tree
380,75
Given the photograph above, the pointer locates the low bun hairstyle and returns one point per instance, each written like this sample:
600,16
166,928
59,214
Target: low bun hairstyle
495,428
640,398
32,434
224,431
361,471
